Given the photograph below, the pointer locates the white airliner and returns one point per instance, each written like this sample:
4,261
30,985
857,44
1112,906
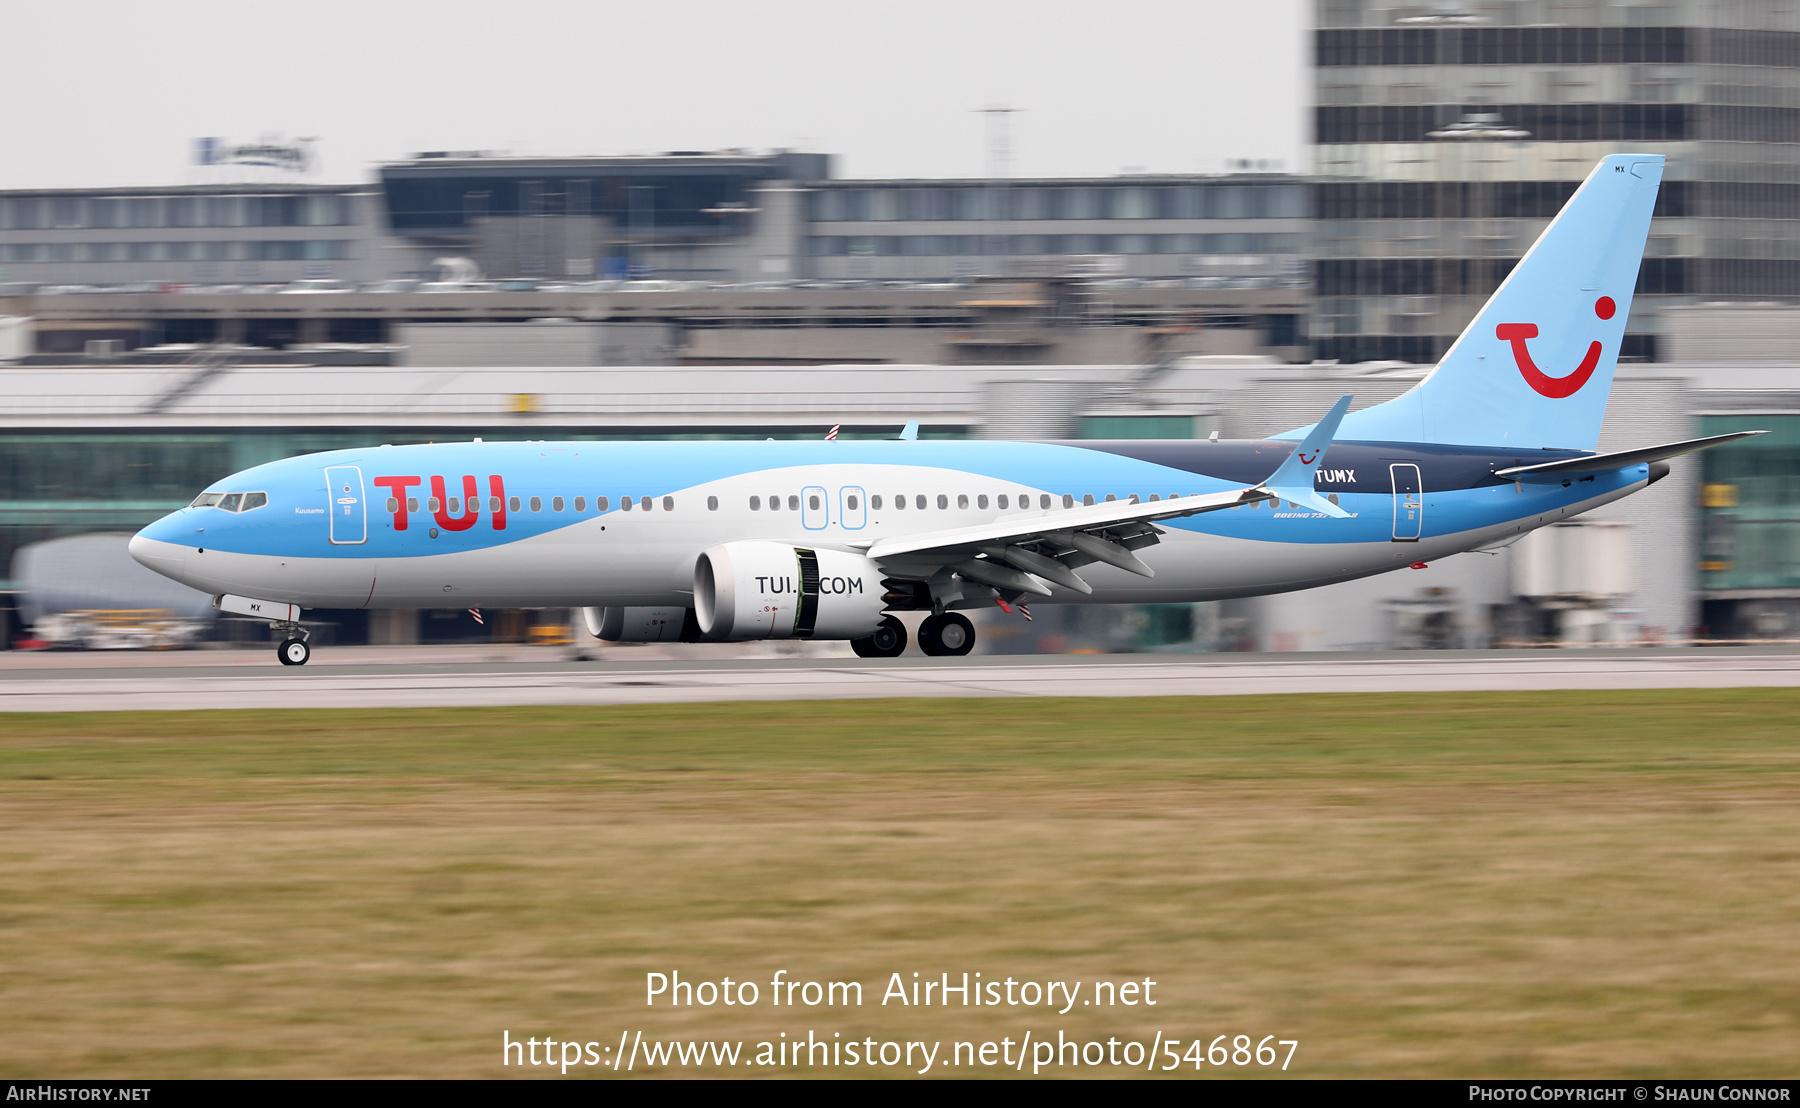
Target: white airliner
726,542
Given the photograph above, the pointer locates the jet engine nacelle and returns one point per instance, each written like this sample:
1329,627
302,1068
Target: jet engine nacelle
640,624
770,590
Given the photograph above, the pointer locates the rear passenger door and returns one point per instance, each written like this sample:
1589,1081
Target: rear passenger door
1409,502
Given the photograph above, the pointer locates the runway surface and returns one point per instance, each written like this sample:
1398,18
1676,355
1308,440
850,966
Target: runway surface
373,678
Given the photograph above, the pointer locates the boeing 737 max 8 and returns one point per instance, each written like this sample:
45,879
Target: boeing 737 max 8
726,542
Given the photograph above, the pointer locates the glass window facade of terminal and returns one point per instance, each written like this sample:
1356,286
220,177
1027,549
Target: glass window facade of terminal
181,236
1443,147
1750,505
1027,202
32,213
1254,227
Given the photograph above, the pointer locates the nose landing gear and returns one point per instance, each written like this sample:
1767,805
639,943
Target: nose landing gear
293,650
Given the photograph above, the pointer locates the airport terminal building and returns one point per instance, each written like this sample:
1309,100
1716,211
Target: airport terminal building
736,257
213,234
1445,141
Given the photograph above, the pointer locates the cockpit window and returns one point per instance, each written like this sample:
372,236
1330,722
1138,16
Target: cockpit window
231,501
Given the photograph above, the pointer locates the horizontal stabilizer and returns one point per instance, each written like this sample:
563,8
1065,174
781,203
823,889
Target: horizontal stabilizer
1600,463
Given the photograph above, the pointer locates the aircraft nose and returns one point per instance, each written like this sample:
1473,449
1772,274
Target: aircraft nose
154,552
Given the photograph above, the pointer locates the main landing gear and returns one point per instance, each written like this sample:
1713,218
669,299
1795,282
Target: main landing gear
888,641
948,635
293,650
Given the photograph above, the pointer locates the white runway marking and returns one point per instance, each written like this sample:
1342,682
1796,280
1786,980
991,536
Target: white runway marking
86,688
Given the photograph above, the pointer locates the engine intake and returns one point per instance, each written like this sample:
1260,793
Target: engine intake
768,590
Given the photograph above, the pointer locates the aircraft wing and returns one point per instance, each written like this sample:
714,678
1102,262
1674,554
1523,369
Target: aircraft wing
1015,553
1600,463
1020,554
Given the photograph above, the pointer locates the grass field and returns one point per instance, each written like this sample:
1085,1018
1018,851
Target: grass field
1541,884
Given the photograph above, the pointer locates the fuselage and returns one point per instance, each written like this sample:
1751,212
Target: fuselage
542,524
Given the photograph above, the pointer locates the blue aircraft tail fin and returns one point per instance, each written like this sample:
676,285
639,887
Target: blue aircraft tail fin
1536,366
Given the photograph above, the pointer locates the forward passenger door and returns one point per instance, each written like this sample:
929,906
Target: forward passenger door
344,500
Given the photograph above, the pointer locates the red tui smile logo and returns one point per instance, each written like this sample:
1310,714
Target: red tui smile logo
1556,388
1305,461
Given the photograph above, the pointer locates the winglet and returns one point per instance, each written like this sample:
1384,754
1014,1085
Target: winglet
910,431
1293,479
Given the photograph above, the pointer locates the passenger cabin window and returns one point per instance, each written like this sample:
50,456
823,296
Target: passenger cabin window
393,504
431,504
851,502
756,503
712,503
1087,500
919,502
581,503
494,504
875,502
668,503
899,502
625,503
981,501
812,501
512,504
962,501
943,502
556,504
1003,502
412,504
1111,498
774,503
601,503
793,502
644,503
537,504
454,506
231,501
1068,500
